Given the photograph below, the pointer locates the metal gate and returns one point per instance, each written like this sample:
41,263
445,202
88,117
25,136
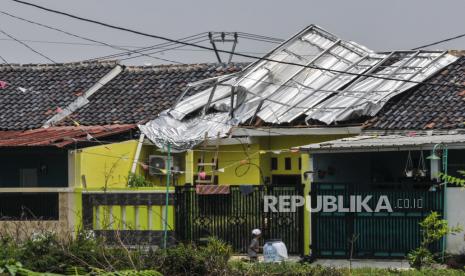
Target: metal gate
371,234
231,217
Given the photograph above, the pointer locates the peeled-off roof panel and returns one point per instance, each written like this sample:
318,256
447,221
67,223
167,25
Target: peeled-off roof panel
367,95
275,90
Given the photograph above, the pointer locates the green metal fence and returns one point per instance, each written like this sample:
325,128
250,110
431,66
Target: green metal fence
231,217
371,234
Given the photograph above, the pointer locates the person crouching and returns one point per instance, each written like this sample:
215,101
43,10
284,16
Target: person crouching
254,247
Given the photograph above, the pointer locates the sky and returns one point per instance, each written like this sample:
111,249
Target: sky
378,25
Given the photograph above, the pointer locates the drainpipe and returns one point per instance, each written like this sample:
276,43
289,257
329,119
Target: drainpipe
137,154
168,173
444,165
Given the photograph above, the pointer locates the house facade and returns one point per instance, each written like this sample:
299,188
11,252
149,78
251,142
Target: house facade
412,153
73,158
151,155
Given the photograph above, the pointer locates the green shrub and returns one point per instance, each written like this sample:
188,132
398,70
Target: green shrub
42,252
216,256
8,248
189,259
136,180
433,229
420,257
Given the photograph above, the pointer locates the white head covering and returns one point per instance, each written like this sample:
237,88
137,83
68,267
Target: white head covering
256,232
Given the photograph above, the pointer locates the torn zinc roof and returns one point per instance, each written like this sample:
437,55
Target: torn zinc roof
313,75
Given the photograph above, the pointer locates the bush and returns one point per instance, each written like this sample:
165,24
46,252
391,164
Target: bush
420,257
42,252
189,259
433,229
136,181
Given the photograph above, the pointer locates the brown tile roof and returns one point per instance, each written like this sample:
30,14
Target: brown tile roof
49,87
139,94
136,95
427,106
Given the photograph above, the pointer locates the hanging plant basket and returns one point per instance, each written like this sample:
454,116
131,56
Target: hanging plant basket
421,170
409,166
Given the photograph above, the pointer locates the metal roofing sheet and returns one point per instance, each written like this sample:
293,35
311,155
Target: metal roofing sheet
389,141
366,96
314,75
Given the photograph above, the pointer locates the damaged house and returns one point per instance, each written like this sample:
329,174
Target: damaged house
243,129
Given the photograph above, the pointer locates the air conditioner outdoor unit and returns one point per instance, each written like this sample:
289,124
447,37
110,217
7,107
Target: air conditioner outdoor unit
159,164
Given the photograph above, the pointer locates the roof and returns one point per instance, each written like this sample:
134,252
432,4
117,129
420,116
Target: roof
427,106
320,77
388,142
48,87
327,86
59,136
139,94
94,93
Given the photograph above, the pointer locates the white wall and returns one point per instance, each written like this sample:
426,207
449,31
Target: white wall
456,215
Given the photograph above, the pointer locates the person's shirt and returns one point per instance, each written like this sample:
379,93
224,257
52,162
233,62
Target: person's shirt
253,248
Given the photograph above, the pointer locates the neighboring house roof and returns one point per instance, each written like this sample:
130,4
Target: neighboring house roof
48,87
59,136
427,106
94,93
374,143
139,94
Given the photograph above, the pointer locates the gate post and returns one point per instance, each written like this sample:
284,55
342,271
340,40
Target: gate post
306,181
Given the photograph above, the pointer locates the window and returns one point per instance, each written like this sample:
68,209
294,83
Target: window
300,163
274,163
287,163
29,206
28,177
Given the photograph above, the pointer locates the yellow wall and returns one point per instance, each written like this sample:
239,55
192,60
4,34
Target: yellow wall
105,165
109,165
235,173
110,217
229,158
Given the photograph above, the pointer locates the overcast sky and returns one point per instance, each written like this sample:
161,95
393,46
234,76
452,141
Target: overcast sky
379,25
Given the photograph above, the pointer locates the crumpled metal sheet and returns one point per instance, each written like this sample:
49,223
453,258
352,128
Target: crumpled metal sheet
184,135
328,85
367,96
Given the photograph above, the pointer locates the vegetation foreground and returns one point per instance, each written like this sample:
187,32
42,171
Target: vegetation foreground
45,254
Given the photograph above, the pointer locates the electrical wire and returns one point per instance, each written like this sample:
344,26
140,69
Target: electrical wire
165,49
140,51
439,42
77,36
115,27
67,43
27,46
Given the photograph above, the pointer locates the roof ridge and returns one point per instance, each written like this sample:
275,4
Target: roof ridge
63,64
183,66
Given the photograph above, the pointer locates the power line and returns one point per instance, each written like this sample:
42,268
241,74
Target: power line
27,46
139,53
66,43
439,42
77,36
224,51
162,49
